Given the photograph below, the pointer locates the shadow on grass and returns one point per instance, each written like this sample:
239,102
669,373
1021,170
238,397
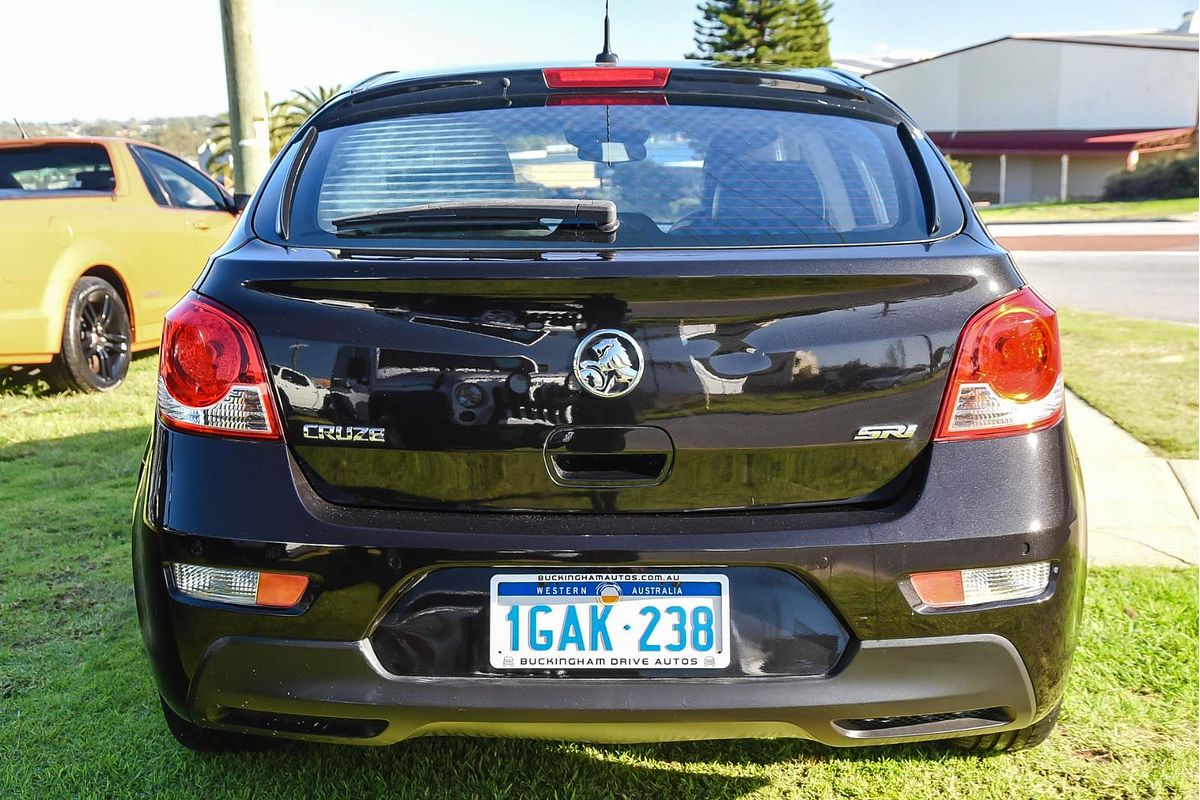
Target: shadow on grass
465,767
24,380
29,380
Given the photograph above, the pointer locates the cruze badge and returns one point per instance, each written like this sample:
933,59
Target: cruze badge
343,433
608,363
867,432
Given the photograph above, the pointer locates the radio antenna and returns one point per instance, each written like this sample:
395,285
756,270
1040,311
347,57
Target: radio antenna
606,56
17,122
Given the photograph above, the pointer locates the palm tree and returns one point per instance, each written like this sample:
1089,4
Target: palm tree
290,113
285,119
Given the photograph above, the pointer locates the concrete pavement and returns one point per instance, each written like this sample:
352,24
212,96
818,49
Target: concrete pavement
1188,474
1139,511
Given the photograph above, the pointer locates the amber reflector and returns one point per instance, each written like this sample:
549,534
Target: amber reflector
280,591
939,589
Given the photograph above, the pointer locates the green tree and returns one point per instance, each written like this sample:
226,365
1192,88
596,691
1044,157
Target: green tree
290,113
961,169
792,33
286,118
1178,177
181,135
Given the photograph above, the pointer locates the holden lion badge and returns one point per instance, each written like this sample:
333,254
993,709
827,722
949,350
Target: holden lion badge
608,363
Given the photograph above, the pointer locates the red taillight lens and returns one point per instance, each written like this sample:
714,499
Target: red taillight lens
1020,354
1007,375
607,77
211,377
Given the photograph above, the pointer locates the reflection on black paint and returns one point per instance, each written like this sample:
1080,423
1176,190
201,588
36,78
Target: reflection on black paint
761,383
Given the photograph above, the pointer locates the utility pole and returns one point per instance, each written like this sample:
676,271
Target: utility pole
248,121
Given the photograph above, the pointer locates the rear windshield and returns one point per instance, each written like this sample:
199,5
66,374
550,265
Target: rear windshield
55,168
679,176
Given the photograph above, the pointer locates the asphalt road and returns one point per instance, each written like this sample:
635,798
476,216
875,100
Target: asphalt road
1161,285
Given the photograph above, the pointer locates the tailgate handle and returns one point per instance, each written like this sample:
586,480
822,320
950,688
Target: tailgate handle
593,468
609,457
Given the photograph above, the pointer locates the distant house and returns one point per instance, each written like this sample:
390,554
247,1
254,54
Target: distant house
879,61
1050,116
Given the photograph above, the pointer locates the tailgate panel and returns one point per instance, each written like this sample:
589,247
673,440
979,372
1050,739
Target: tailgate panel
406,390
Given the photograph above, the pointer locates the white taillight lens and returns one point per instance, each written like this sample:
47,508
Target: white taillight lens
238,586
973,587
243,410
241,587
1007,375
977,407
211,376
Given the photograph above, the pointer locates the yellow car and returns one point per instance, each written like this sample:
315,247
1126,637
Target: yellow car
101,237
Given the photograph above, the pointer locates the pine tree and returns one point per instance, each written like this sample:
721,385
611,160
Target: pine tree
793,33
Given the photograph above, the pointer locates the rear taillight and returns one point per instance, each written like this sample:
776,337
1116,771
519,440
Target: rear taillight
1007,375
607,77
972,587
211,376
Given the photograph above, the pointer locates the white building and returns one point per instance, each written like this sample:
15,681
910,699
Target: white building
1050,116
878,61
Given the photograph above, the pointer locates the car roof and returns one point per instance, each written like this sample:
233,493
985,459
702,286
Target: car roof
821,75
40,140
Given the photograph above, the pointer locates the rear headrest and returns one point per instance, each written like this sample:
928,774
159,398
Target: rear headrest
769,190
727,147
96,180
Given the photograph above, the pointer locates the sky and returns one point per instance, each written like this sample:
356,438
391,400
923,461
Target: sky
83,59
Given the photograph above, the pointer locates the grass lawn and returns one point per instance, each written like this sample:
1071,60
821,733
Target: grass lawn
79,719
1090,212
1140,373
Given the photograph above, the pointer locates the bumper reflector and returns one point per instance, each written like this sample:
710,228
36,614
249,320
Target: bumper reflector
973,587
240,587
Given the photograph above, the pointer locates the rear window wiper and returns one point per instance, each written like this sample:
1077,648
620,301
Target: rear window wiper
511,214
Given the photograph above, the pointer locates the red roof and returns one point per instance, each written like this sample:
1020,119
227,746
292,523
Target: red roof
1090,141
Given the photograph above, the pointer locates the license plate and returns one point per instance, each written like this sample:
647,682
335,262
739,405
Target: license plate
562,620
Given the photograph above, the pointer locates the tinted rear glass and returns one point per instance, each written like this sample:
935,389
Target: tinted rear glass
55,168
680,176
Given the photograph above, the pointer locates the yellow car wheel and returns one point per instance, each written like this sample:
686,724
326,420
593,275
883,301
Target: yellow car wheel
95,342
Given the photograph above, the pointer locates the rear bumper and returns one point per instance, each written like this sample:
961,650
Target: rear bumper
1003,501
337,691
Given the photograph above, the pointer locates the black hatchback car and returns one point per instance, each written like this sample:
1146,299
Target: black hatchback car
610,403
